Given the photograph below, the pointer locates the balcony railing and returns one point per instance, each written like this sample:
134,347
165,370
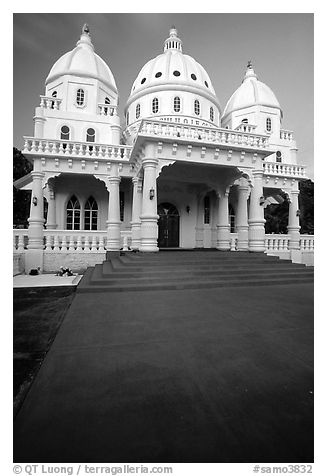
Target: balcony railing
199,133
107,110
249,128
289,170
286,135
76,149
50,102
90,241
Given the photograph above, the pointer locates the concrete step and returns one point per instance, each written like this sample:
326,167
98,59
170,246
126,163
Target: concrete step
106,271
113,280
119,266
146,272
86,287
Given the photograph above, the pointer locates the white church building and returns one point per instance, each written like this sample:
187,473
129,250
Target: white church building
178,172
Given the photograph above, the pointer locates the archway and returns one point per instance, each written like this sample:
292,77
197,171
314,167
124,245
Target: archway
168,226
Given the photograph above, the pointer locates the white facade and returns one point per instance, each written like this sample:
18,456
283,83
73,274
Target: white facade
189,176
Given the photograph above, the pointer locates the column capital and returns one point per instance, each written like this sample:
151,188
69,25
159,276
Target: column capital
113,179
258,173
37,174
149,162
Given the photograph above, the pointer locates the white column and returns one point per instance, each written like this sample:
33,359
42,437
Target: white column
34,254
294,221
241,219
149,216
136,212
113,222
256,214
36,220
51,216
39,121
223,233
199,227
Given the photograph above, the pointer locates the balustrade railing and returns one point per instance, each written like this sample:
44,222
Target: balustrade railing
199,133
50,102
107,109
75,149
273,168
86,241
250,128
286,135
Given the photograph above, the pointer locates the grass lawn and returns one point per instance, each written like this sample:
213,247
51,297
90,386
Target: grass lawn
38,314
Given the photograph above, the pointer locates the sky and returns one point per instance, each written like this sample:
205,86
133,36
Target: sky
280,46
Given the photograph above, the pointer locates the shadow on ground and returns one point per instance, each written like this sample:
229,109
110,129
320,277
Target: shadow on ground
219,375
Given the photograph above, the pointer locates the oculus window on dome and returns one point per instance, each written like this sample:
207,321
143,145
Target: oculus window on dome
176,73
193,77
157,75
143,80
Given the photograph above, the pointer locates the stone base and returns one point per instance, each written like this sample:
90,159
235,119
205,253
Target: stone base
33,260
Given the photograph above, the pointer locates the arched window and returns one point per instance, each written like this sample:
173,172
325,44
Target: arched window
138,111
278,156
212,115
90,135
73,214
197,107
177,104
64,133
268,124
206,210
91,214
107,100
80,97
54,95
155,105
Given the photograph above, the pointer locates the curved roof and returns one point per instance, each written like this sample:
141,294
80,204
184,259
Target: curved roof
84,62
173,69
252,92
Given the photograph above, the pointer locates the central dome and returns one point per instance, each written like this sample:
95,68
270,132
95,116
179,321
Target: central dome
168,76
174,68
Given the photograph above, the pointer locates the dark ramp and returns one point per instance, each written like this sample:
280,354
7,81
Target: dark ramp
216,375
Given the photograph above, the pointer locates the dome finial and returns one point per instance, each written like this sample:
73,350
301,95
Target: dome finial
86,29
173,42
249,71
85,38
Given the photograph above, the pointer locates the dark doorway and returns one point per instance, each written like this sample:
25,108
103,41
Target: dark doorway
168,225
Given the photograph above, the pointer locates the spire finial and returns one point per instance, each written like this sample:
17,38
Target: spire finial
249,71
173,42
85,38
86,29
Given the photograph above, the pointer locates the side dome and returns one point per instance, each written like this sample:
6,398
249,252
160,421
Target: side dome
175,81
252,92
82,61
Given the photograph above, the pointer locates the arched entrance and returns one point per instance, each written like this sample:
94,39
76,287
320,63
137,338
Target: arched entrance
168,226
